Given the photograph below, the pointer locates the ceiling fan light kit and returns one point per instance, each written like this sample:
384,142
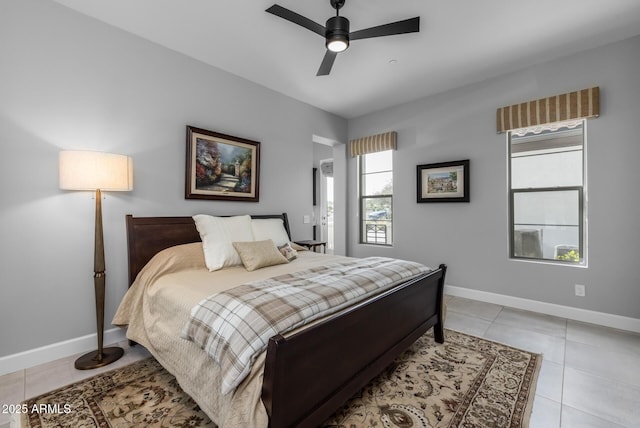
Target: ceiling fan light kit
337,34
337,44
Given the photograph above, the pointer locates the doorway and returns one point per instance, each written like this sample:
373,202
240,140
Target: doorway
326,214
329,215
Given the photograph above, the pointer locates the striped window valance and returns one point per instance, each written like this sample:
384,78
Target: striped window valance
573,105
373,143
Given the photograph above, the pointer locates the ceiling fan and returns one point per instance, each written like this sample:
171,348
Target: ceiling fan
336,31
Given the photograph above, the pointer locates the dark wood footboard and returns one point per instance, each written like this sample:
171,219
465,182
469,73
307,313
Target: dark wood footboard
310,374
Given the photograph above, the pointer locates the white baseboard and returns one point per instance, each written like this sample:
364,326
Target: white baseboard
577,314
45,354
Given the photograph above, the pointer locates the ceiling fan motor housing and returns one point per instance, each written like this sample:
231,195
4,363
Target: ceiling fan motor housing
337,29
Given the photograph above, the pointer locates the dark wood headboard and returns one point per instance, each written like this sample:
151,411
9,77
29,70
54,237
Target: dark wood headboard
146,236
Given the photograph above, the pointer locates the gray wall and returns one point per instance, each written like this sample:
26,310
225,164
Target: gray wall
70,82
472,238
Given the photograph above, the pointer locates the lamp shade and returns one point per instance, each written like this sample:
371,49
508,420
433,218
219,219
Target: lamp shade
88,170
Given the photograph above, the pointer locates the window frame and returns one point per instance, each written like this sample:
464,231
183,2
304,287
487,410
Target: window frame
582,205
362,197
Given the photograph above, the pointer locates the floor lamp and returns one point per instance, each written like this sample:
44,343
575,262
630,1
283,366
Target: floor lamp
97,171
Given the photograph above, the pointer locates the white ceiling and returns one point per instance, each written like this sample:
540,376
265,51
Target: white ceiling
460,41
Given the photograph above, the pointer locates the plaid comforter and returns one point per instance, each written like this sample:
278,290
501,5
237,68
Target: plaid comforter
234,326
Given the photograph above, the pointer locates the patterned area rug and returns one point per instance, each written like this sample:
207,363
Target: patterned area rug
465,382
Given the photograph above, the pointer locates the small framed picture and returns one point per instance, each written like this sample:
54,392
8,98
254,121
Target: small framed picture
221,167
443,182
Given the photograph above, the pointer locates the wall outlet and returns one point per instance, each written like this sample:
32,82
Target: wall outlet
580,290
306,219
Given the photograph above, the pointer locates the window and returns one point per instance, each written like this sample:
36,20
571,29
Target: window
547,193
376,197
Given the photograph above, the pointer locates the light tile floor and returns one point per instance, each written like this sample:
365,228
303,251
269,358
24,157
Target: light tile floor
590,375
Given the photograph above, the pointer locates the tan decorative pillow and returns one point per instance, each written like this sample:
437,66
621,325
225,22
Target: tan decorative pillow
298,247
259,254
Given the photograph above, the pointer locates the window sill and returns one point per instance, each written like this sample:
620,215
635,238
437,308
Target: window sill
366,244
549,262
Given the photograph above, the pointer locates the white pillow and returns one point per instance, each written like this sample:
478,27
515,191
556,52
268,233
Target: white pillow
270,228
217,235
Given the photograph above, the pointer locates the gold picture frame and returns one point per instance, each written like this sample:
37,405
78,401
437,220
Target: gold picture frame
221,167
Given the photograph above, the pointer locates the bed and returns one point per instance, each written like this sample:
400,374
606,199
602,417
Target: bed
305,375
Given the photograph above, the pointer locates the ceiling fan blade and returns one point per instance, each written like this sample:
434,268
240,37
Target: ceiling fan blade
411,25
296,19
327,63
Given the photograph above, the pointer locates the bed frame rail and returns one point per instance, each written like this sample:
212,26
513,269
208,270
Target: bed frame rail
309,375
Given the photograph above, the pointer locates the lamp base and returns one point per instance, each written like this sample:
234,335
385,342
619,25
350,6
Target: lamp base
92,360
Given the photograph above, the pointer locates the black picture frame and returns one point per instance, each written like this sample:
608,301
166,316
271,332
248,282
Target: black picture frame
221,167
315,185
443,182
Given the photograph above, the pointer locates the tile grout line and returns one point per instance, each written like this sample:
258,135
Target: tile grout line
24,384
493,320
564,366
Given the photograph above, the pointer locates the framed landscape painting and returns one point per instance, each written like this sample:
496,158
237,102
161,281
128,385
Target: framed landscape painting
443,182
221,167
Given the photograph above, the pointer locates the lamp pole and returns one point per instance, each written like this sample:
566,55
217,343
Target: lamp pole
102,356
